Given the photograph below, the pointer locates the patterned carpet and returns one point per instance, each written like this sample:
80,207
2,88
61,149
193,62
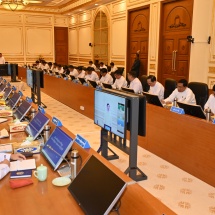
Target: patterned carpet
180,191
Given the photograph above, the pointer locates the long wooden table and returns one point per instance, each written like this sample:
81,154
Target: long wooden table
45,198
184,141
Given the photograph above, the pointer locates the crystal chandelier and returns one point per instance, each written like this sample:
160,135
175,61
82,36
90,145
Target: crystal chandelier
13,4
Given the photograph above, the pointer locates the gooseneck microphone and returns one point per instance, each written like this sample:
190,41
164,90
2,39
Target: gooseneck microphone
61,157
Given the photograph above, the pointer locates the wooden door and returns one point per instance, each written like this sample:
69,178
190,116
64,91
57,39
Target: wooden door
61,45
174,54
138,36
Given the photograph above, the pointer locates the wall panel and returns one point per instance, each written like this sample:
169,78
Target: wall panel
84,35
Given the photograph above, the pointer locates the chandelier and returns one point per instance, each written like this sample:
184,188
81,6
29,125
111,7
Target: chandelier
13,4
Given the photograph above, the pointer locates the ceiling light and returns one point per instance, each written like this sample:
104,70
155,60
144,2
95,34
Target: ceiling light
14,4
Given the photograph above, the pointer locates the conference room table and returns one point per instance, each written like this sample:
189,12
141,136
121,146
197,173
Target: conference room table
185,141
43,198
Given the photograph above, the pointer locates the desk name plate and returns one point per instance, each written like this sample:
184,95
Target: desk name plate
177,110
56,121
82,142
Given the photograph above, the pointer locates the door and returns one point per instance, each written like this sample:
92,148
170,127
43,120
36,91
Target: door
176,25
138,36
61,45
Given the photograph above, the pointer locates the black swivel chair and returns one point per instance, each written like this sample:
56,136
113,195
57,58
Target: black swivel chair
143,80
170,85
121,69
200,91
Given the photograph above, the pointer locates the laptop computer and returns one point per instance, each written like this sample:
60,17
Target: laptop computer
109,86
63,75
93,83
192,110
96,188
152,99
7,92
22,110
72,77
14,100
82,80
57,73
129,90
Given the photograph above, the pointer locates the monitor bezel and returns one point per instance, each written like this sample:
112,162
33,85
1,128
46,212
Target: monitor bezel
125,89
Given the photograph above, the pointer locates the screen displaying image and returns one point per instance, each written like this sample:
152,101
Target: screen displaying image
14,100
30,78
35,127
22,110
57,147
110,112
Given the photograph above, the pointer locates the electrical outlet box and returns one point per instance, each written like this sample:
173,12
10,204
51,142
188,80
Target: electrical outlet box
82,107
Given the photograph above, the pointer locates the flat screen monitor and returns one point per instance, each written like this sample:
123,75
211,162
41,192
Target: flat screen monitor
109,86
57,147
193,110
22,110
110,112
96,188
2,87
127,90
36,125
38,77
30,78
142,116
13,71
82,80
14,100
93,83
152,99
7,92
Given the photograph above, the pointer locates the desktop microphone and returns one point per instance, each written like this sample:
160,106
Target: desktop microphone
61,157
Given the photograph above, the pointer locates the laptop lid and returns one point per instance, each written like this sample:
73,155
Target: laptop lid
127,90
193,110
93,83
109,86
152,99
7,92
96,188
14,100
82,80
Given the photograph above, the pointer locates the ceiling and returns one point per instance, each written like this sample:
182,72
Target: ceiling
65,7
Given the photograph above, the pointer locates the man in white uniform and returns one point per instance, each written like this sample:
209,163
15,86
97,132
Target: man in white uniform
91,74
156,88
2,60
81,72
135,83
182,94
113,67
211,102
73,71
102,65
120,80
91,64
5,162
106,78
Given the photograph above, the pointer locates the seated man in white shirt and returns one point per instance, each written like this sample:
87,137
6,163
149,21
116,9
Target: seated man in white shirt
102,65
73,71
5,162
106,78
156,88
210,104
91,74
59,68
44,65
120,80
50,66
113,67
81,72
38,64
135,83
91,64
2,59
182,94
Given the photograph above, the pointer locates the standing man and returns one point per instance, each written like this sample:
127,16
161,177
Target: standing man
136,65
156,88
2,60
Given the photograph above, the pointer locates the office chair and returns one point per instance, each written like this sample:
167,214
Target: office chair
170,85
143,80
200,91
121,69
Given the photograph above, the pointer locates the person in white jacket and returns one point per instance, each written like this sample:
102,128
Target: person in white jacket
5,162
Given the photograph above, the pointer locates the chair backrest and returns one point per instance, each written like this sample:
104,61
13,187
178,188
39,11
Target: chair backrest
200,91
113,76
121,69
170,85
143,80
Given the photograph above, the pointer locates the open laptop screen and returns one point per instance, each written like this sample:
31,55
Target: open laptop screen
57,147
96,188
35,127
22,110
7,92
14,100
